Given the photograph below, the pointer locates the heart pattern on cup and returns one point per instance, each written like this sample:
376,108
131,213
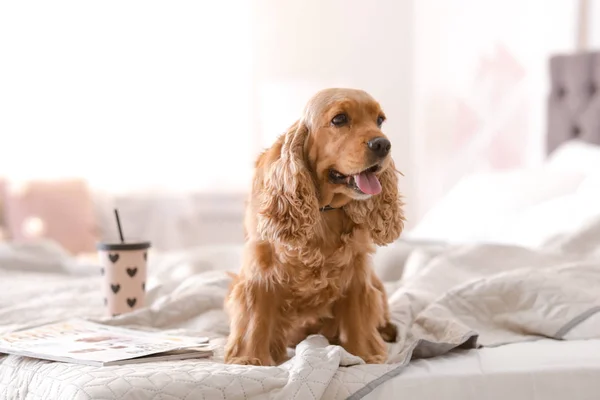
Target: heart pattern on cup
125,281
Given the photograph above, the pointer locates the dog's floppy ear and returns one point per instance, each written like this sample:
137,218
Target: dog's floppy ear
382,213
288,206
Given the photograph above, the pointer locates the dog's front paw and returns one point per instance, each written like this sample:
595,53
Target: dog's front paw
249,361
375,359
372,350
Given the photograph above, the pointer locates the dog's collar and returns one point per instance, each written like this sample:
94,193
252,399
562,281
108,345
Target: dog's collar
327,208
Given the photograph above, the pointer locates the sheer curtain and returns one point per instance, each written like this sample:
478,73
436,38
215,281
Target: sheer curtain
128,94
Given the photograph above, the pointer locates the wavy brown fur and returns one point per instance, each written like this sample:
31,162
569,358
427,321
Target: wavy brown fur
306,271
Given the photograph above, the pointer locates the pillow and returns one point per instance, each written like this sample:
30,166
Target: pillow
576,156
60,210
482,204
559,217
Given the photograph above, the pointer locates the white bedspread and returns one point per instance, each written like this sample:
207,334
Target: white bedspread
458,296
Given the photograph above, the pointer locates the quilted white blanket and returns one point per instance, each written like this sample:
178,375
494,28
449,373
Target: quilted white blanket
464,296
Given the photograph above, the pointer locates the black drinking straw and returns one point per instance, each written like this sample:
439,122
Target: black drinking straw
119,225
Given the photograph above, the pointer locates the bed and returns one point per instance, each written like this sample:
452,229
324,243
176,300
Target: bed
508,312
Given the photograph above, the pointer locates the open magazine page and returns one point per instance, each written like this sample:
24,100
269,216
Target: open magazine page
90,342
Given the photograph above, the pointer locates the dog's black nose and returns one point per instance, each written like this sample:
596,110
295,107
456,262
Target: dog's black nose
380,146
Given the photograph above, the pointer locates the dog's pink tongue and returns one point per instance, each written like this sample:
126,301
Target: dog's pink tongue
368,183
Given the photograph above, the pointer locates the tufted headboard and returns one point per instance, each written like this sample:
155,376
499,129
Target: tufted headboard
574,100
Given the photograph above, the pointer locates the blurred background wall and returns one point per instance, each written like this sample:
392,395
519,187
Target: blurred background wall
160,108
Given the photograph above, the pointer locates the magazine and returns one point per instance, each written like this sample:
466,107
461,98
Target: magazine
84,342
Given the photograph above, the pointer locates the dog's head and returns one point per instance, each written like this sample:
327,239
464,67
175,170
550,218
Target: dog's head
345,148
335,155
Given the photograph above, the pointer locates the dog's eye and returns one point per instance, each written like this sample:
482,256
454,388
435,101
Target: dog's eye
380,120
339,120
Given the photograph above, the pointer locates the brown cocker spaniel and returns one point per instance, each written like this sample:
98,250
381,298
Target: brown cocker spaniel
322,197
